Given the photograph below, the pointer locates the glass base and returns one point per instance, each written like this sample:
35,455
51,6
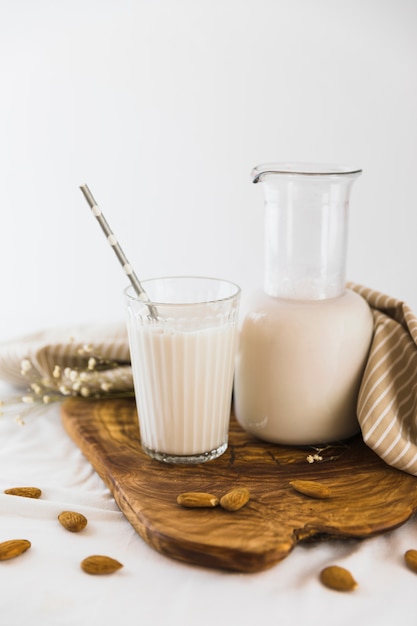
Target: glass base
189,459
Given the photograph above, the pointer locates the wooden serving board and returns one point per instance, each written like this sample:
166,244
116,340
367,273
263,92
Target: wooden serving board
368,497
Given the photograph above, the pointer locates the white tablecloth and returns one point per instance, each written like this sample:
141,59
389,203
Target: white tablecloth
46,585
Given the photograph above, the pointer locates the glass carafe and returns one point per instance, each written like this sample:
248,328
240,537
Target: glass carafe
305,338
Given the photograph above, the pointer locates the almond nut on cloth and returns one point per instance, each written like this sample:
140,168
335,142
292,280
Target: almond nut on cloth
387,402
93,359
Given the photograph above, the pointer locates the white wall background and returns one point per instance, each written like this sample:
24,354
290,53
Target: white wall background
163,107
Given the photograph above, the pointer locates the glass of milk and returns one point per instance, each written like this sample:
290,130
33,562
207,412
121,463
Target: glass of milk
183,365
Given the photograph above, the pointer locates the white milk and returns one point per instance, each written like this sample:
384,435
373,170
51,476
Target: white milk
183,384
299,368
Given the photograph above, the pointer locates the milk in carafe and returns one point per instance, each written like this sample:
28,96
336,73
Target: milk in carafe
304,341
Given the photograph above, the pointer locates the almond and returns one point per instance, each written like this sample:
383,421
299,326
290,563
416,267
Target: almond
72,521
26,492
338,578
197,499
13,547
411,559
311,488
98,564
235,499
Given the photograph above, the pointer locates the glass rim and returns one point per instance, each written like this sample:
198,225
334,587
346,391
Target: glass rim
303,168
131,294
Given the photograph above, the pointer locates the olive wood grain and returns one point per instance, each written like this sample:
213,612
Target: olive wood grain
367,496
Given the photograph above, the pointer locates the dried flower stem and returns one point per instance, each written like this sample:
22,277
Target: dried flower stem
318,456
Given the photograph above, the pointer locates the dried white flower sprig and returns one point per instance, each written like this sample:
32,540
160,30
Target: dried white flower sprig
92,377
328,452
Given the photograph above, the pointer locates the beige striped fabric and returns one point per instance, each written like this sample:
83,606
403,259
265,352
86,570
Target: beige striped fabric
387,403
70,348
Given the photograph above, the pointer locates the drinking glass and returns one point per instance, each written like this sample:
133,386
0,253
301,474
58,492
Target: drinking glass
183,365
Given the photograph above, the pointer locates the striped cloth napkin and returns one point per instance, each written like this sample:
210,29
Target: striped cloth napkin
54,356
387,403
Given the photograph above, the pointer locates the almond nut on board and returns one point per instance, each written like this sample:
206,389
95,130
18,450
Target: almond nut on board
197,499
98,564
26,492
235,499
72,521
12,548
311,488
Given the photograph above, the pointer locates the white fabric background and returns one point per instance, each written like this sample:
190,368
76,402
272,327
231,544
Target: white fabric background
163,107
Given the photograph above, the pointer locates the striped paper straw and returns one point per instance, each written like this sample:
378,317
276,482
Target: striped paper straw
112,240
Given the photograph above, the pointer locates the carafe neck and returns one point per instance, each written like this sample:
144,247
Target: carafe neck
306,228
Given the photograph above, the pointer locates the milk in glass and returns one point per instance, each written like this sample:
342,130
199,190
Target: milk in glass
183,365
183,384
